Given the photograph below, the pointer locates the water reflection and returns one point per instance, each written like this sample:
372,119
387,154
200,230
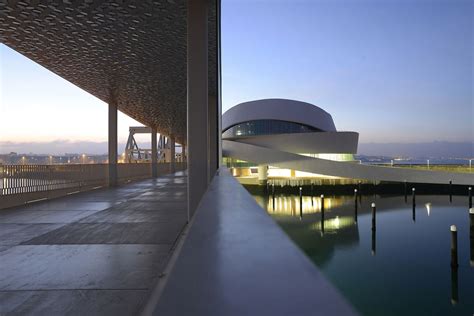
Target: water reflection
471,261
373,242
454,287
290,204
428,208
322,237
408,259
332,225
325,230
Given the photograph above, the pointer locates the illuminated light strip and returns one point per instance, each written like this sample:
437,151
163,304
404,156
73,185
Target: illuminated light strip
37,200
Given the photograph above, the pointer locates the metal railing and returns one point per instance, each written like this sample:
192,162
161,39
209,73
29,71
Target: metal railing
23,183
17,179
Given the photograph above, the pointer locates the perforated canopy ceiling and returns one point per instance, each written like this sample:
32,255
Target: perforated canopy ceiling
133,52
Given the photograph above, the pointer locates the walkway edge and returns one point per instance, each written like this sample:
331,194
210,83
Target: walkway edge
235,260
163,280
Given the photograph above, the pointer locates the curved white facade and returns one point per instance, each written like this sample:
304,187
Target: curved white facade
306,143
311,130
285,160
279,109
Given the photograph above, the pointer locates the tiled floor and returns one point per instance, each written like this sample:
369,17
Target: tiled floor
94,253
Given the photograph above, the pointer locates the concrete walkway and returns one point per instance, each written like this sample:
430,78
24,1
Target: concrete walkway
94,253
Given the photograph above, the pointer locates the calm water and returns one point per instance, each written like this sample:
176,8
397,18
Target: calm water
402,269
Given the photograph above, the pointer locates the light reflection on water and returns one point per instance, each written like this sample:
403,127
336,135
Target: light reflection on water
402,267
290,204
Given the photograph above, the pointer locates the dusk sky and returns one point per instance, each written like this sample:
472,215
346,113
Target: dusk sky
394,71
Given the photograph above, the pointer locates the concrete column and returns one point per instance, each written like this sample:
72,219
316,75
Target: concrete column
214,100
262,174
154,153
213,138
112,143
219,86
197,88
167,142
172,154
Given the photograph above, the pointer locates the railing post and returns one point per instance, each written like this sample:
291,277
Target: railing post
50,176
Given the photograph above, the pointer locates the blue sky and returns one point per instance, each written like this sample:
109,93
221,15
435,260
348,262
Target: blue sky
395,71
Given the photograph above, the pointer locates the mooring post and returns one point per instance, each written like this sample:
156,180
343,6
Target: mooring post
413,212
470,197
322,213
454,265
454,247
322,204
355,206
373,217
413,196
471,235
301,202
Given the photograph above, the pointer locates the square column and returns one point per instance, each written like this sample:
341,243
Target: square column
262,174
154,153
197,115
214,91
213,137
219,84
113,140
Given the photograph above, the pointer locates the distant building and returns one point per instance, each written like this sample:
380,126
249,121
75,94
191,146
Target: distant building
290,126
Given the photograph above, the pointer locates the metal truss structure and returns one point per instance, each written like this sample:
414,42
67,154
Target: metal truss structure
133,153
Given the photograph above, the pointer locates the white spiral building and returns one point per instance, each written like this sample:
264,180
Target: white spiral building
290,126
